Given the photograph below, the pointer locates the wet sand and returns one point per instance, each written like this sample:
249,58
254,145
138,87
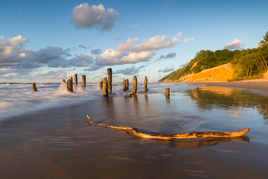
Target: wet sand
60,143
260,85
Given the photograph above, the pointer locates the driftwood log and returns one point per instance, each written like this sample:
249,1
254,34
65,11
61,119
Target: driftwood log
190,135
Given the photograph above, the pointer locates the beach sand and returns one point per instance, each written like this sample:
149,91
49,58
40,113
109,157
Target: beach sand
60,143
260,85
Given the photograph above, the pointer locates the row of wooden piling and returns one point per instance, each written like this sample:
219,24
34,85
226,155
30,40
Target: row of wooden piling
106,84
70,82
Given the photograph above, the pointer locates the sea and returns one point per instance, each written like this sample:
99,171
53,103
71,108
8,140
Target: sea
46,134
18,98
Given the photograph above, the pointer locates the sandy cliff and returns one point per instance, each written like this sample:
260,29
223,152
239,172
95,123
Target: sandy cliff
220,73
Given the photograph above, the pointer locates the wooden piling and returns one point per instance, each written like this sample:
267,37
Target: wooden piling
125,85
105,87
145,84
34,87
109,80
75,79
134,89
63,81
167,91
70,85
101,84
84,81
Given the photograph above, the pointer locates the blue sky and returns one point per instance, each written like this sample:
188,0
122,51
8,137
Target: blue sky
46,41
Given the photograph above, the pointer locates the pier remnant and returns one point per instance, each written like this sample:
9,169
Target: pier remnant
125,85
75,79
109,74
34,87
101,83
134,89
70,85
145,84
167,91
105,87
84,81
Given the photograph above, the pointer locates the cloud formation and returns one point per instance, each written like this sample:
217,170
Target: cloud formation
82,60
9,45
93,67
83,47
155,43
167,69
16,61
129,71
169,55
114,57
96,51
50,56
234,44
85,16
189,40
54,74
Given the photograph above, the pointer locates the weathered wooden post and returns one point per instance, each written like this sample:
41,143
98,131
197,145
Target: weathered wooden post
63,81
70,85
75,79
105,87
134,89
145,84
101,83
84,81
125,85
109,74
167,91
34,87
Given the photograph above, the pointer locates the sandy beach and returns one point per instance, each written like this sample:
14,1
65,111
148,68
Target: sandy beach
60,143
260,85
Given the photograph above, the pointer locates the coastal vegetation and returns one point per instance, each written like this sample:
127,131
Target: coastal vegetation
248,63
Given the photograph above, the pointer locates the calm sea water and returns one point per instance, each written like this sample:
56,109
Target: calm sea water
17,99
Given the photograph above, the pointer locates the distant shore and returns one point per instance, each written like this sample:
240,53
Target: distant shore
258,84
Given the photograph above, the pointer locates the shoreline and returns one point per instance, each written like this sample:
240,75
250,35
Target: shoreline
259,85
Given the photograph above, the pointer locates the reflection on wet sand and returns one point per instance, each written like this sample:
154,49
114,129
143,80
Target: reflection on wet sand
218,97
204,142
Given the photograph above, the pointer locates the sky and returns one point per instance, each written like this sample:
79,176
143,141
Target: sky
48,40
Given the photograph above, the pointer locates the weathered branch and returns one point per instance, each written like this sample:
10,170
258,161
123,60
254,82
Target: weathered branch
175,136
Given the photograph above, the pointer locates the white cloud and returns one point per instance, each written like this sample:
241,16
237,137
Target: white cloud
234,44
8,46
189,40
84,16
155,43
114,57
